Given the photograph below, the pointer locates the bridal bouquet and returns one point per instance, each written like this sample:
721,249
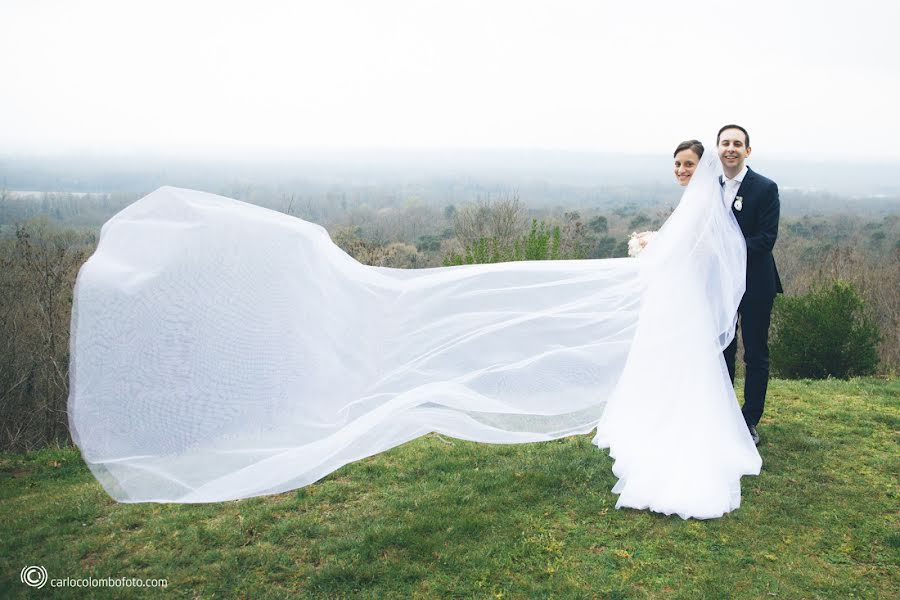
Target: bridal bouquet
638,241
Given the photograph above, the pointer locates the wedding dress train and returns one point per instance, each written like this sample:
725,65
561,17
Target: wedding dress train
220,350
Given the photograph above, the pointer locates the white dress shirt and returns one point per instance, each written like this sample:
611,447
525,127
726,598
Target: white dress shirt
730,187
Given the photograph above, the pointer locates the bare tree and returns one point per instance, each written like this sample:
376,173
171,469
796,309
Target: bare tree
38,271
502,219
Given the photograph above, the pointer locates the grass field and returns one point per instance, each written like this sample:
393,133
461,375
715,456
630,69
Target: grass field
445,518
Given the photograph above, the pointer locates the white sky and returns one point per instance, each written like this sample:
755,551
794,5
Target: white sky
813,79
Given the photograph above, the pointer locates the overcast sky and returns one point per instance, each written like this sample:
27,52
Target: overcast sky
811,79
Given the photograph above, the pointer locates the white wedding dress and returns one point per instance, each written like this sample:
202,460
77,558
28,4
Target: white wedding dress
220,350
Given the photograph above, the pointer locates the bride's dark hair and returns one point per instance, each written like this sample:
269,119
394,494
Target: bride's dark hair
694,145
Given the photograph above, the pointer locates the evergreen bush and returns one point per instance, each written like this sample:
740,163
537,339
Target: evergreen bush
824,333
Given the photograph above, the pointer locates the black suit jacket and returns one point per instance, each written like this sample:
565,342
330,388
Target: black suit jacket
758,219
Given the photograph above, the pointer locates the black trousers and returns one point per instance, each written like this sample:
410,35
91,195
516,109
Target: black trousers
753,322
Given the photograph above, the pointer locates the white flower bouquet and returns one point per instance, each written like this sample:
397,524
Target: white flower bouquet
638,241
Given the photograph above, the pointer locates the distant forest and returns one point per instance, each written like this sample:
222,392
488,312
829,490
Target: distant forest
541,178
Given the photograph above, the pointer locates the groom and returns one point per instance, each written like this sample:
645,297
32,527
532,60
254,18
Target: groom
754,202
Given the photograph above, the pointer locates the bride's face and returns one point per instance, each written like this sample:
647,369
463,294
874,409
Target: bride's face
685,165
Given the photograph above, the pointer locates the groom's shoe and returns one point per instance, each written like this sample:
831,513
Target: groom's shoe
754,434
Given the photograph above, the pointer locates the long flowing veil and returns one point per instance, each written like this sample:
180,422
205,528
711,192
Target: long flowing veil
220,350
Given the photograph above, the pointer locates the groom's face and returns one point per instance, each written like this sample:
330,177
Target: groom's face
733,149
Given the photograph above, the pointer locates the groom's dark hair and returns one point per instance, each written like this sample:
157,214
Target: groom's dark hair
733,126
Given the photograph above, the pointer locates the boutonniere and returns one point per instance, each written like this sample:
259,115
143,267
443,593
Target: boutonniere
738,203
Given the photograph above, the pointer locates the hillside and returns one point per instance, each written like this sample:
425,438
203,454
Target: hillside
439,517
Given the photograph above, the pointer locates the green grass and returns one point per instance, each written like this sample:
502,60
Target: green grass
446,518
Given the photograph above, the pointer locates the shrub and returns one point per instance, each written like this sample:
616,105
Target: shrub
428,243
369,252
823,333
542,242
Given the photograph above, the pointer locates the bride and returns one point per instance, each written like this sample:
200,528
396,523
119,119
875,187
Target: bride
221,350
673,424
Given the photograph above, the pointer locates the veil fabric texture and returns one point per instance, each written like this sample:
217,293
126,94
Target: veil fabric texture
221,350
